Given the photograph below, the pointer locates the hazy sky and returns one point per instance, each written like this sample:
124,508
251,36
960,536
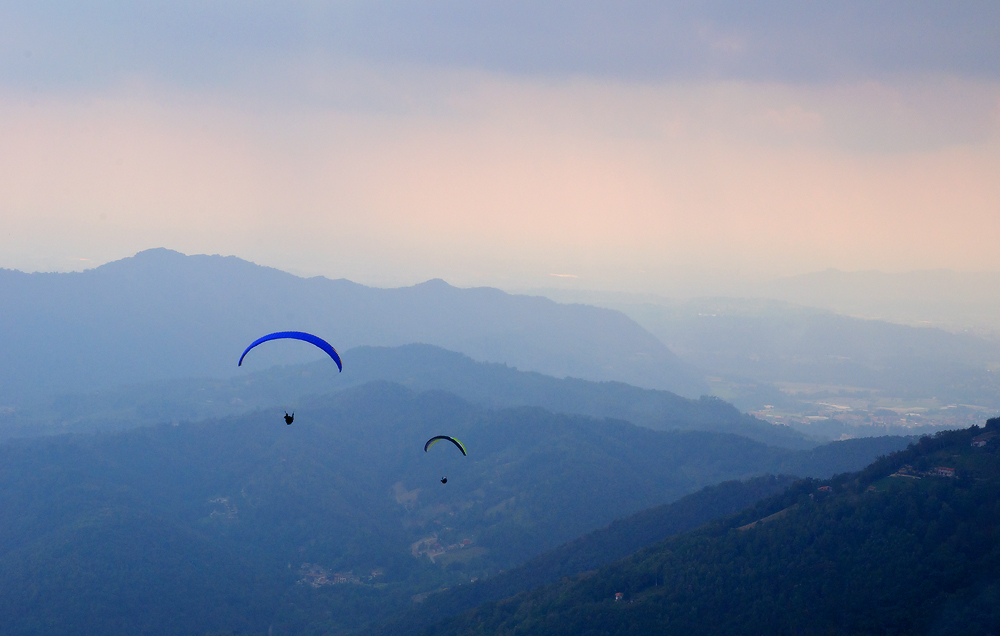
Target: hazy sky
619,145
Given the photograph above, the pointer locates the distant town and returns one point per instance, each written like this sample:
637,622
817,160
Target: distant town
849,418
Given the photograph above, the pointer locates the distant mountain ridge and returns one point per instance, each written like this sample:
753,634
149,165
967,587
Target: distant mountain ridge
759,342
420,367
161,314
946,298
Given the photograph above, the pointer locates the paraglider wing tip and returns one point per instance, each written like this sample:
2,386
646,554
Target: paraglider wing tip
247,350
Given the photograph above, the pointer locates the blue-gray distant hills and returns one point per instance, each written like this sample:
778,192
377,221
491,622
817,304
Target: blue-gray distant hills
161,314
417,366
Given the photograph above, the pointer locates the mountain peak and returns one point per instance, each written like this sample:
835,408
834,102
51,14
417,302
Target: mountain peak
434,283
158,252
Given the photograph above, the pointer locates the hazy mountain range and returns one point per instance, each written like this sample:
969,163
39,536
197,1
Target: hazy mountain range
956,301
757,344
163,315
952,300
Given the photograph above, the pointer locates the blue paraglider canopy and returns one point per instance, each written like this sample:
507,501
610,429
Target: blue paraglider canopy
296,335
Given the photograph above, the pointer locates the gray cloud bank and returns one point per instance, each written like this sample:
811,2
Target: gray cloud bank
66,43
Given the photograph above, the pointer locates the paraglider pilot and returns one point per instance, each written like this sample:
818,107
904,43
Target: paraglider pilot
289,418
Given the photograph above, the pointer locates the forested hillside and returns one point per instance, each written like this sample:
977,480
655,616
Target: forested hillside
621,538
910,545
243,515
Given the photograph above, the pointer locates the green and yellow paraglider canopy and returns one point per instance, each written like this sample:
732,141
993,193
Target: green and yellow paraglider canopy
434,440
